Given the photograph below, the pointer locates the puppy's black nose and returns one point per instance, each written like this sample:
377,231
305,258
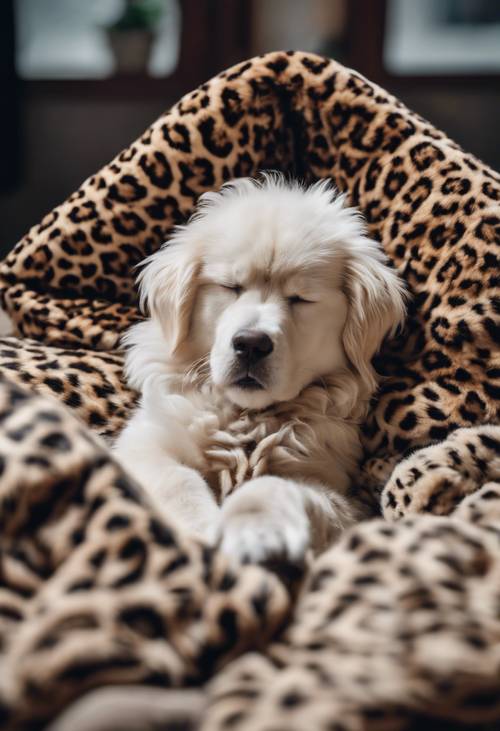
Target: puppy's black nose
252,345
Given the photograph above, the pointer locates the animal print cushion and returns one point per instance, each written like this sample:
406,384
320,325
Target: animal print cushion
88,381
400,619
396,623
94,587
434,208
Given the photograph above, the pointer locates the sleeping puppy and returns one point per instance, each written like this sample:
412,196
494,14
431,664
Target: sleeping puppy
255,367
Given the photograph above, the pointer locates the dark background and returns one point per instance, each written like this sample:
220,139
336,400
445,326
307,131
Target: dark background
59,131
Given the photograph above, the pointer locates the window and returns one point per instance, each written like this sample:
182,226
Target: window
69,39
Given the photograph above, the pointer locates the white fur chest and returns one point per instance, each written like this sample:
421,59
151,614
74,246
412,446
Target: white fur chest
301,439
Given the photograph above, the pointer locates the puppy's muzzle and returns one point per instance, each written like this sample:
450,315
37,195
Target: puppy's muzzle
251,346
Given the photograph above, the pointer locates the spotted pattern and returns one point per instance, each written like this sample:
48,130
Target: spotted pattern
94,587
399,622
434,208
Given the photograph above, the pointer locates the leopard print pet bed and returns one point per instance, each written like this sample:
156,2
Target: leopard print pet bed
399,623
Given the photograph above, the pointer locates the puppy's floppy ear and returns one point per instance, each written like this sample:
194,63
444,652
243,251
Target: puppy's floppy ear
168,285
376,298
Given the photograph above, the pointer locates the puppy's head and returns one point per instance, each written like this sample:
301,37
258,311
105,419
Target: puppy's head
275,286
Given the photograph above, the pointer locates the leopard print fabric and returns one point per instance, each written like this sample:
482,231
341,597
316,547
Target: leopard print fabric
397,622
434,208
438,478
94,587
89,381
394,624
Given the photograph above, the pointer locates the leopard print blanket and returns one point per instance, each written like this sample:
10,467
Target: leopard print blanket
399,623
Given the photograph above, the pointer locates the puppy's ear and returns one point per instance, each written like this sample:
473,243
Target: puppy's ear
376,298
168,285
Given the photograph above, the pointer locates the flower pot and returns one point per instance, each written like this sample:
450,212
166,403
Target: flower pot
131,50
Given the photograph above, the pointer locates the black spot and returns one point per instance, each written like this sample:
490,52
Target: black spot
455,457
117,522
233,718
456,185
160,533
181,141
219,147
73,399
490,495
17,435
51,416
81,669
133,547
86,212
239,71
436,413
228,622
390,499
449,386
158,170
492,328
492,391
100,234
425,154
177,563
11,613
375,554
57,441
144,620
128,224
438,432
365,580
394,181
354,542
55,384
97,558
409,421
490,443
260,603
35,460
418,193
316,67
96,419
227,582
435,359
231,109
81,585
128,190
462,375
430,394
292,699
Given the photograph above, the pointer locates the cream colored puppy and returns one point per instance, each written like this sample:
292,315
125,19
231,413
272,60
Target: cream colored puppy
255,367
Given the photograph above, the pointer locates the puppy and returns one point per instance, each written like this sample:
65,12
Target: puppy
255,367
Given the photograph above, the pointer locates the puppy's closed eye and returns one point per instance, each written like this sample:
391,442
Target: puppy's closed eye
296,299
236,288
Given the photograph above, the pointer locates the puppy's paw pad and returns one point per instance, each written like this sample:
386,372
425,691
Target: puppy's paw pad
262,539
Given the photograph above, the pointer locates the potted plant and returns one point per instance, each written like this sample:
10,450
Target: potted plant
131,36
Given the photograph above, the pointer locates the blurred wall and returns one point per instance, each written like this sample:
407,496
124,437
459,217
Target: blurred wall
65,137
295,24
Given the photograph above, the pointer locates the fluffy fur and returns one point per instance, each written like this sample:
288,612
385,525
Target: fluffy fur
258,455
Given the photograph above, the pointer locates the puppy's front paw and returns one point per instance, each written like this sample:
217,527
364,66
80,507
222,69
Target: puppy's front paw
265,522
